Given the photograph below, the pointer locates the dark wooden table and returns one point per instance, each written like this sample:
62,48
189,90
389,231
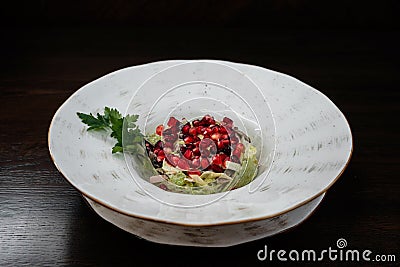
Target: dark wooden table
44,221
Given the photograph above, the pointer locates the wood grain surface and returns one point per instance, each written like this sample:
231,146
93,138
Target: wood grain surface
44,221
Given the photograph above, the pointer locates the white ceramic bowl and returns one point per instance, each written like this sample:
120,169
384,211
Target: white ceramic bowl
313,146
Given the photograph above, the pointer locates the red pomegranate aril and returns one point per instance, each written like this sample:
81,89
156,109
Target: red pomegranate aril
159,129
185,129
220,144
225,162
196,151
240,147
217,160
215,129
188,154
160,158
204,163
237,152
226,142
209,119
182,149
173,160
222,130
205,142
159,144
183,164
196,163
205,152
156,151
188,139
172,122
208,131
227,120
163,187
193,131
217,168
234,140
235,159
224,136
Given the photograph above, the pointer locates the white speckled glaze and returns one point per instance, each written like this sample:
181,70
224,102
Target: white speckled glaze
313,146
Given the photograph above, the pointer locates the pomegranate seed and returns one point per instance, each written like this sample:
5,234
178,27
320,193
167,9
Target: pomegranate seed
188,140
204,163
208,119
172,159
215,129
196,151
196,123
159,144
196,163
156,151
172,122
234,140
237,153
159,129
188,154
185,129
160,158
220,144
235,159
222,130
240,147
225,162
205,152
208,131
216,168
182,149
183,164
190,146
193,131
163,187
226,142
224,136
205,142
216,160
227,120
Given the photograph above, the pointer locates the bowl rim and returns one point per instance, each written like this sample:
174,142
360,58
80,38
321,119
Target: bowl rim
237,221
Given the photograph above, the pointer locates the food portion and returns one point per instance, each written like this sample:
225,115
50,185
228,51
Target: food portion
201,156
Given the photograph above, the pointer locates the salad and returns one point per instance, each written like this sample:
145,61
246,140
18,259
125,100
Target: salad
201,156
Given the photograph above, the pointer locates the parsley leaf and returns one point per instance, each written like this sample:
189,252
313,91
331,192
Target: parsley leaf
119,126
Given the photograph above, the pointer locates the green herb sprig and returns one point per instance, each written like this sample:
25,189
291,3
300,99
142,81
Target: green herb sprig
119,126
